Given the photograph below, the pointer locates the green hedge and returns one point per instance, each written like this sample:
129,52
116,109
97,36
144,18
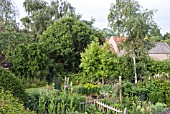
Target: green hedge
12,83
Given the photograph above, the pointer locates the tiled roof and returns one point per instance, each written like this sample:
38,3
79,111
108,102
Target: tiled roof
118,40
160,48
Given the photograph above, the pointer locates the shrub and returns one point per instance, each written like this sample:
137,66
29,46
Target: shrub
11,105
12,83
32,99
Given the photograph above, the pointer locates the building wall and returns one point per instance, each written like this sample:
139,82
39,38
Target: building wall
160,56
112,42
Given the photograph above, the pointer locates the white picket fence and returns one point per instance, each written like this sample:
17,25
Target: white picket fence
105,108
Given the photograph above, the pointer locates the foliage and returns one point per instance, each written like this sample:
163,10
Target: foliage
12,83
33,82
130,19
65,39
108,32
10,39
157,67
31,62
8,14
52,101
147,67
89,89
28,60
92,110
58,50
98,62
148,90
11,105
41,14
166,38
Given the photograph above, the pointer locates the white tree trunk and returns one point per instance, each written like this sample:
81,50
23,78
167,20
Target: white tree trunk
134,64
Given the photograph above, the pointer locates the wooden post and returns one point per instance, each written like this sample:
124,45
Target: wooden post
125,111
120,89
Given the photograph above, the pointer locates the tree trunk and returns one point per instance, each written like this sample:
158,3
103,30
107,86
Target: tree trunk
134,64
120,89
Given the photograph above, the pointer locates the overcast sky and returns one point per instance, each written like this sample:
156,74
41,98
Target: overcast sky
99,9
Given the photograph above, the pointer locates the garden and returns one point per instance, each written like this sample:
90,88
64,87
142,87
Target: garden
59,63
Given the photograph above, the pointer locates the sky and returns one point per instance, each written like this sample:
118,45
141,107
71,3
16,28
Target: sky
99,9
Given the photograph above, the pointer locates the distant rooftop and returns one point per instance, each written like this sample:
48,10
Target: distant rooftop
160,48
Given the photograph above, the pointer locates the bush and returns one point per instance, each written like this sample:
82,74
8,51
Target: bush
32,99
12,83
11,105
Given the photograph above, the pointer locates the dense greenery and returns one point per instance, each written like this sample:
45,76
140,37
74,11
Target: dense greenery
127,18
49,100
65,40
12,83
58,50
10,39
99,63
41,14
10,104
62,60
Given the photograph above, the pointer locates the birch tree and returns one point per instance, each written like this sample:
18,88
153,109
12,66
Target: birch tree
129,19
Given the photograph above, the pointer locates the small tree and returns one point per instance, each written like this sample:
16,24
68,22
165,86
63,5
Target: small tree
128,18
98,62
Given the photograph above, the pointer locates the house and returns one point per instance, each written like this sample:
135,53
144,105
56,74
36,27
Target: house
160,51
114,41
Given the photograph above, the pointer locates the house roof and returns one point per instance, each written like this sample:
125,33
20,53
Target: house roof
160,48
118,39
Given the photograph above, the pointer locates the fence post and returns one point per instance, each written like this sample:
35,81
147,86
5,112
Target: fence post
125,111
120,89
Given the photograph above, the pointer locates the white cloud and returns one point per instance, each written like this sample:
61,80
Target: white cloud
99,10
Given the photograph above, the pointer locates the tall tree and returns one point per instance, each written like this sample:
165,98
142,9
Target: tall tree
129,19
41,14
66,39
8,14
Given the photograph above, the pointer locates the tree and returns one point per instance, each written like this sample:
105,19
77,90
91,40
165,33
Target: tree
108,67
108,32
10,39
66,39
41,14
98,62
128,18
8,14
166,38
90,61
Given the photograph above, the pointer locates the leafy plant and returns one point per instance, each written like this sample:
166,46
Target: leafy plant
89,89
12,83
11,105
